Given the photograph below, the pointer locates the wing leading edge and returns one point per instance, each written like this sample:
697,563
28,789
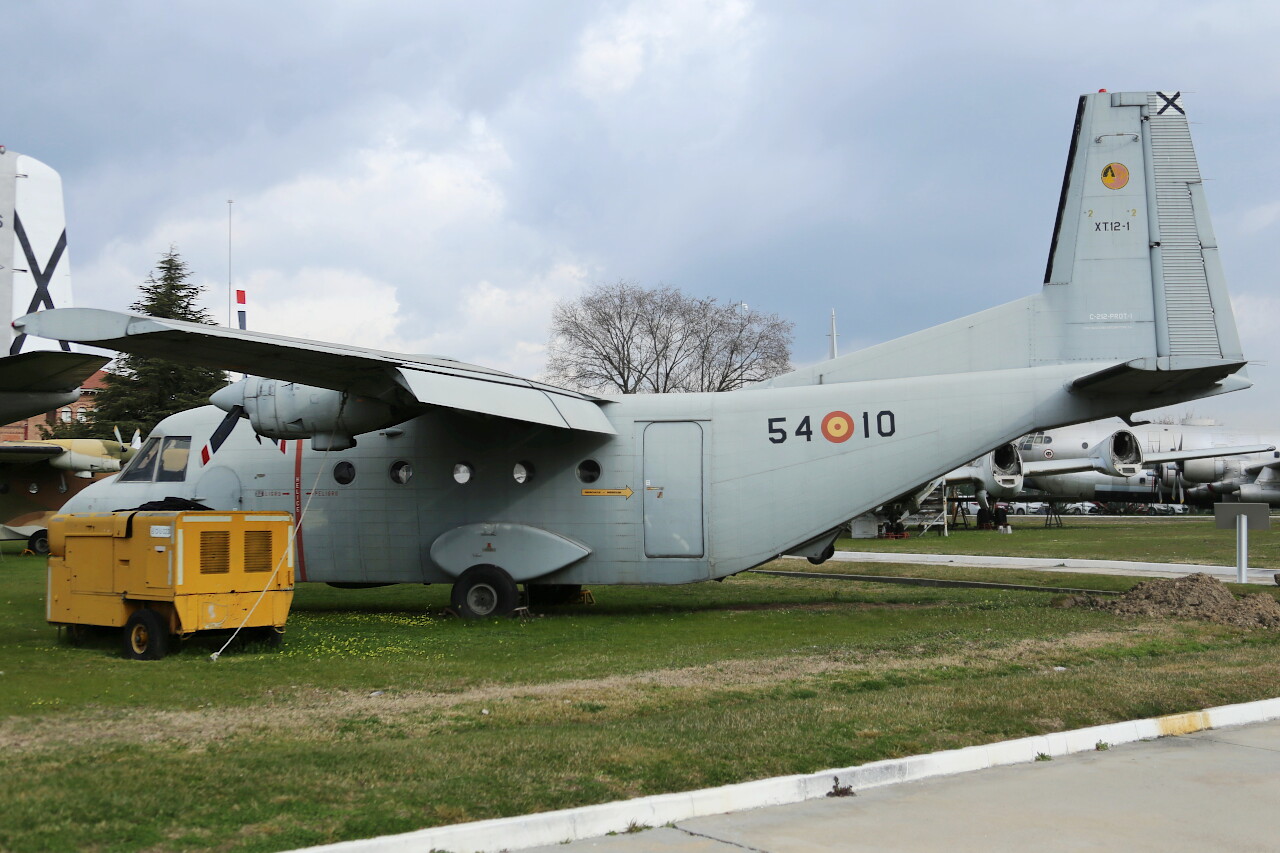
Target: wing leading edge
394,378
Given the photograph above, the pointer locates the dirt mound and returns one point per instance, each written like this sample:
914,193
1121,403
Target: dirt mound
1197,596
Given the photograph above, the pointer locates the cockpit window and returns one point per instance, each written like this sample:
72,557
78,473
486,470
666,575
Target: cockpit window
173,459
143,466
168,454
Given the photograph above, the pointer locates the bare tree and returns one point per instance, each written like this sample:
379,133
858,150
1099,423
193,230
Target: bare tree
625,338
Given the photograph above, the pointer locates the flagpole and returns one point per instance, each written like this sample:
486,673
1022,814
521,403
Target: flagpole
230,293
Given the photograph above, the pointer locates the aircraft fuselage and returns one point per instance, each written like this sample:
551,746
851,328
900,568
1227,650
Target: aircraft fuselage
692,487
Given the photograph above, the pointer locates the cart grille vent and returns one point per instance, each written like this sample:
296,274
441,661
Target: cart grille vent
257,550
215,552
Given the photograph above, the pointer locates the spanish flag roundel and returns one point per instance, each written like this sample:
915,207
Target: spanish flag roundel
837,427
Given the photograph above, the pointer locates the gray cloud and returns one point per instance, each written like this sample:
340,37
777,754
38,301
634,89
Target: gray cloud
463,166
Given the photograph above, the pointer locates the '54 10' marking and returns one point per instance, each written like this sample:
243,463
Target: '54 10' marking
836,427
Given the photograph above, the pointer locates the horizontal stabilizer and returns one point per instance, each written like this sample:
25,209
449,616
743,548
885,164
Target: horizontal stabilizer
1162,376
47,371
394,378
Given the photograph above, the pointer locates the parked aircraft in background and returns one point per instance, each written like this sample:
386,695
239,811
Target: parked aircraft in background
1196,462
468,476
37,375
1121,456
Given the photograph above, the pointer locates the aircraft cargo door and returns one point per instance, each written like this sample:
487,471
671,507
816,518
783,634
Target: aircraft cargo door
673,489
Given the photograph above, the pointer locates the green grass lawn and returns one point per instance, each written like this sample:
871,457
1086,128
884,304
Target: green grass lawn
380,715
1187,539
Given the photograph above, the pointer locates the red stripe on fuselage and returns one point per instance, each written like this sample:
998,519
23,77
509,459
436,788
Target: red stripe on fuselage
297,510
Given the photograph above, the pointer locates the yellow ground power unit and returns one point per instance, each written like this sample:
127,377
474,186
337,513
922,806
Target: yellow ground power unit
165,574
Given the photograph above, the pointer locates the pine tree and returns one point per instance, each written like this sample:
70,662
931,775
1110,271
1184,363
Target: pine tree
140,392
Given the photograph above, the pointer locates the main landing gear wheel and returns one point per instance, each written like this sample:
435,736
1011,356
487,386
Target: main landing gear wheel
827,553
146,636
38,543
484,591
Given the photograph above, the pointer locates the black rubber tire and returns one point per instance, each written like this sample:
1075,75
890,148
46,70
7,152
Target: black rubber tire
483,591
827,553
38,543
146,636
552,594
270,637
77,634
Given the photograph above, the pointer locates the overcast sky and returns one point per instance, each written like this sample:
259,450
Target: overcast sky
433,177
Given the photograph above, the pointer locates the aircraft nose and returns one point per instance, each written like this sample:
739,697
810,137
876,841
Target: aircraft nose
229,397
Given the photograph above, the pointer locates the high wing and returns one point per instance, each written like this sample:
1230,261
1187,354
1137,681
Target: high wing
78,455
22,452
1209,453
1072,466
404,382
1257,468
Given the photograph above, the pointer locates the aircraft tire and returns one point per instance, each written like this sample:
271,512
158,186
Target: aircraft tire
38,543
146,636
827,554
552,594
483,591
270,637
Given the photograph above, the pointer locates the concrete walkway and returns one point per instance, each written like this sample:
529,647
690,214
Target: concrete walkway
1056,564
1212,790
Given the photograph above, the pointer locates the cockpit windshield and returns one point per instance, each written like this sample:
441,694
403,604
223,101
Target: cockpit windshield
162,459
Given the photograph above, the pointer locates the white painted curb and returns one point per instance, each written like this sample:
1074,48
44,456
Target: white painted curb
1104,566
518,833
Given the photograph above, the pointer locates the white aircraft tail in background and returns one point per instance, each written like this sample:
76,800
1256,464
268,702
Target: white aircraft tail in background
35,375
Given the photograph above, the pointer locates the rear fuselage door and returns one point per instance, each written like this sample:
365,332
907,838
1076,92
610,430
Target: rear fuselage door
673,489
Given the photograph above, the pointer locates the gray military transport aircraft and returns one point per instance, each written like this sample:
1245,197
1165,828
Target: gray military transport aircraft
477,478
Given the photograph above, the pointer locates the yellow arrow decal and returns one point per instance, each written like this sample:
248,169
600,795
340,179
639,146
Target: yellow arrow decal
613,493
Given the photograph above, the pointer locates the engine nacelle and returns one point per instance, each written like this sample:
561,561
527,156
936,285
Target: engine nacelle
331,419
1260,494
1119,455
1000,472
1211,470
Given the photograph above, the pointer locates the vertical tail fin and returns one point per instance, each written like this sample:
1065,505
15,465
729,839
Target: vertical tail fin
34,268
1133,292
34,274
1133,210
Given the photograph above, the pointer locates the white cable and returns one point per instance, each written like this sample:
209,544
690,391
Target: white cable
293,536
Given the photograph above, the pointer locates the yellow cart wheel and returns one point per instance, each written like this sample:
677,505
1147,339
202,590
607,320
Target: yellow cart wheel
146,636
